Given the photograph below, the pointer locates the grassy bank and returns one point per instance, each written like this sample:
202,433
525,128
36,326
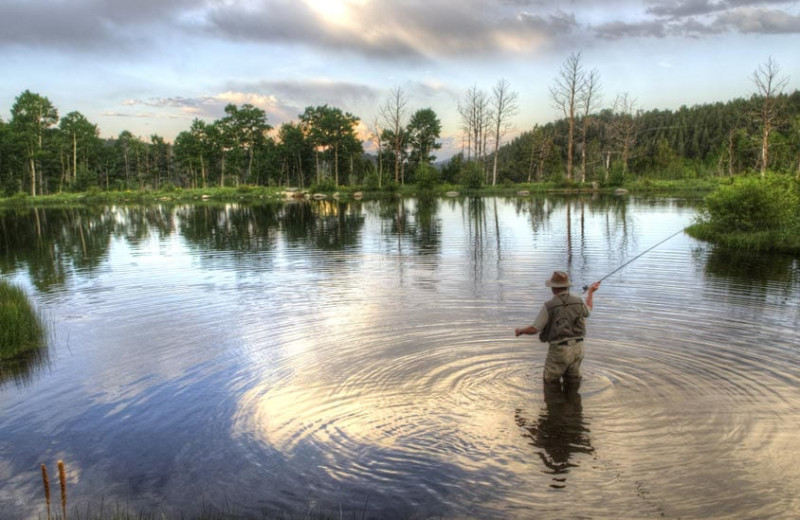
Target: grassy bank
785,242
21,330
95,196
689,187
244,193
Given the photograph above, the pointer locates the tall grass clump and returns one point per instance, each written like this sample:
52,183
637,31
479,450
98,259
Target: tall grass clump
21,329
754,213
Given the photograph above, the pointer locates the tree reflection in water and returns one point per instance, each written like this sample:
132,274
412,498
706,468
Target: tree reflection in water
560,431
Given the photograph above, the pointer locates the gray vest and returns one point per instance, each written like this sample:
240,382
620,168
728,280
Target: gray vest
565,319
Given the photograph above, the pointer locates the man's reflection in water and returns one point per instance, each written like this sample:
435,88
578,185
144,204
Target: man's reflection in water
560,431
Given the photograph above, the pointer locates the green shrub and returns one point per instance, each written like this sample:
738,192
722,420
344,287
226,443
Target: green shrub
326,186
391,186
427,177
372,181
472,176
617,176
753,204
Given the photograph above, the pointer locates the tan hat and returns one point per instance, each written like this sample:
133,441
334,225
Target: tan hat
559,279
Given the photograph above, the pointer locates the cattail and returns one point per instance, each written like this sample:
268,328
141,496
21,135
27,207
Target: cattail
62,477
46,483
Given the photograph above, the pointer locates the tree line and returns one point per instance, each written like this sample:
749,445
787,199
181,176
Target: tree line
622,142
43,153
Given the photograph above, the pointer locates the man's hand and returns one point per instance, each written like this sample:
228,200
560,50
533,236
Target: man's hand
594,287
526,330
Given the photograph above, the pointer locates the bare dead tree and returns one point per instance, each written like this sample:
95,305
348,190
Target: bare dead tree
394,117
564,93
485,133
504,107
475,118
589,101
375,135
769,84
623,126
466,112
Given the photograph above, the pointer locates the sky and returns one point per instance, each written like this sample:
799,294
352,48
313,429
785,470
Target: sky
152,66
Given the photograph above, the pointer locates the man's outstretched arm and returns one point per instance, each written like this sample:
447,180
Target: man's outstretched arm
590,296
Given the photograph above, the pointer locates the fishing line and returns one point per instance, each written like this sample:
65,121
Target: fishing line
586,287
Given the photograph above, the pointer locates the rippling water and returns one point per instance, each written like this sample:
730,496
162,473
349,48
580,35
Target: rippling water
328,357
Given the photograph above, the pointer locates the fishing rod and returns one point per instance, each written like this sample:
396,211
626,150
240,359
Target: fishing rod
586,287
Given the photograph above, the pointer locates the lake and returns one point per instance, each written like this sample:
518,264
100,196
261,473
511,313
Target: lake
359,359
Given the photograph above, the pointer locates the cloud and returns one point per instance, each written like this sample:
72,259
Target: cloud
644,29
684,9
181,102
759,21
694,18
690,8
314,92
411,31
415,30
111,113
88,25
283,101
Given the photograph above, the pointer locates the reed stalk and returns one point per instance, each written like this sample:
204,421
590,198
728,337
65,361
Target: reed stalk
62,478
46,483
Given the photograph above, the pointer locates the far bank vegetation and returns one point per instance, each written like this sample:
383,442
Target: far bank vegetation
605,141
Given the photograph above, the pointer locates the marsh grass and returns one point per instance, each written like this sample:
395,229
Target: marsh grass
21,330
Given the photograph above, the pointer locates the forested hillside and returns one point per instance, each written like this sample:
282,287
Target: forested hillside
42,153
704,140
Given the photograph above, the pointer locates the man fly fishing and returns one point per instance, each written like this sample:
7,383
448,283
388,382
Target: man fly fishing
561,322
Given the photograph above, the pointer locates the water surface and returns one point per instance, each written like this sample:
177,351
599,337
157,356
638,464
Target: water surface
329,356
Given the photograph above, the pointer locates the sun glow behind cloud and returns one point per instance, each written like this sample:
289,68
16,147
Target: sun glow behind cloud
338,12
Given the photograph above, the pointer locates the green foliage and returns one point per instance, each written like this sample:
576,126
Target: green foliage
21,330
451,170
83,180
617,176
332,130
421,134
754,204
561,181
324,186
41,153
391,186
372,181
427,177
753,213
472,176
